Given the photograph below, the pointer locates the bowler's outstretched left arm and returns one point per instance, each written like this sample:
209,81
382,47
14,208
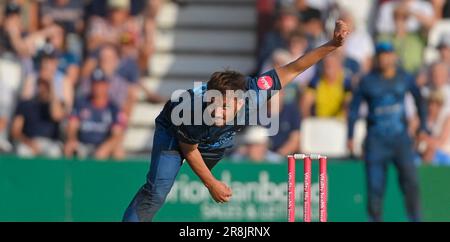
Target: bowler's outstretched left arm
288,72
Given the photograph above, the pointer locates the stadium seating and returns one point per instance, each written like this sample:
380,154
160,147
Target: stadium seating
208,14
211,41
329,137
197,65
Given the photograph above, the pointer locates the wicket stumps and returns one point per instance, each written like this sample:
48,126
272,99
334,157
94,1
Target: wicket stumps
323,186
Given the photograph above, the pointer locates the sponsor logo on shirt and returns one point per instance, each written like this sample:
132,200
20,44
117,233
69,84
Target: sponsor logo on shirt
265,82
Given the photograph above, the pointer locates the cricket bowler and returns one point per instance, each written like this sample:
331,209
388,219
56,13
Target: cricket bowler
203,145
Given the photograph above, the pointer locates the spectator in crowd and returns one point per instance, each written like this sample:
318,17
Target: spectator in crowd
256,147
12,34
29,13
35,127
388,140
70,15
359,46
110,29
141,15
100,7
329,92
409,45
313,26
441,8
439,80
129,69
444,48
424,77
285,107
68,62
129,65
122,91
305,11
419,15
5,146
12,49
47,63
118,25
297,46
150,26
96,125
5,113
286,22
435,148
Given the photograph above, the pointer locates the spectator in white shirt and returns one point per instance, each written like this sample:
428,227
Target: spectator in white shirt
421,15
359,45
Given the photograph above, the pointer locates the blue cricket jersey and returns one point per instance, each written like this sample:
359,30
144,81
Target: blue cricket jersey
212,141
386,102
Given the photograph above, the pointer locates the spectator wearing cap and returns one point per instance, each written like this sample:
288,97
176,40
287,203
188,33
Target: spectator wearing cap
96,125
435,148
35,127
286,22
409,45
122,91
255,147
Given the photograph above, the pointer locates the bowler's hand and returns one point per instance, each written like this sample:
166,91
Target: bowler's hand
220,192
341,31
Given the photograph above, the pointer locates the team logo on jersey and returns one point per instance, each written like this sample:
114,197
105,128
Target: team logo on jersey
265,82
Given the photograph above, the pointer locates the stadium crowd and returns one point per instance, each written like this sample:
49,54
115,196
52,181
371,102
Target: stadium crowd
326,90
70,71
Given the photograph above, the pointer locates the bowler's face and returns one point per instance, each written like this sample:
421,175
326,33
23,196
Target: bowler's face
224,111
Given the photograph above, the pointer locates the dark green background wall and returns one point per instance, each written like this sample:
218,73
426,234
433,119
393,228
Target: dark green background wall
62,190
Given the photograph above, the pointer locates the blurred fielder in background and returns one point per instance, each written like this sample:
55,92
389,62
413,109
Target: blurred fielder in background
384,90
